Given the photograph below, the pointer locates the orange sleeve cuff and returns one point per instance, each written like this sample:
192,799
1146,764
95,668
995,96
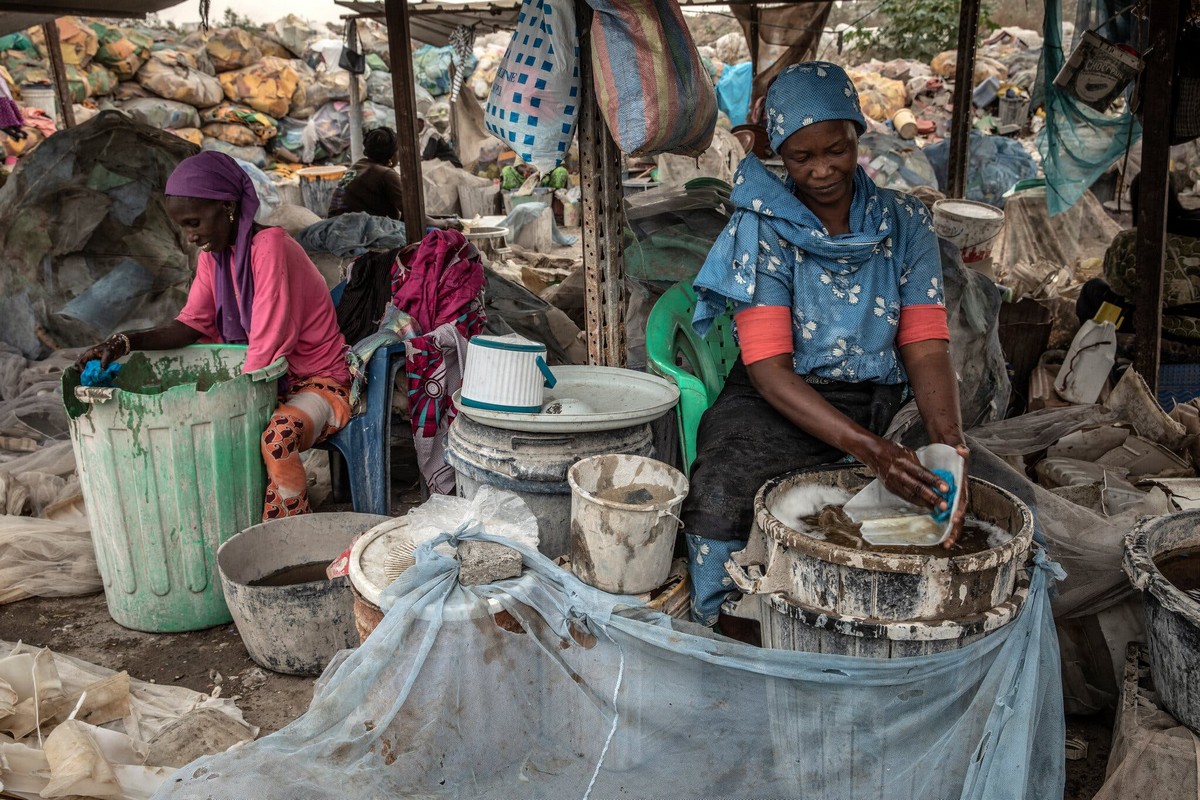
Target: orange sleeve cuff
764,332
922,323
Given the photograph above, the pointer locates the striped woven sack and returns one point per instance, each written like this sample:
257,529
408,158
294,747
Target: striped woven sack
654,92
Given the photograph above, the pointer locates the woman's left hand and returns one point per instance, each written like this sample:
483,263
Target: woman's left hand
960,516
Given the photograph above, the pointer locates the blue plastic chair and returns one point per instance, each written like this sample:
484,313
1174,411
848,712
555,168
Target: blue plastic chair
366,441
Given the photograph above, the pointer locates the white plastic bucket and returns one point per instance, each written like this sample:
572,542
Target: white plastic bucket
506,373
40,97
624,517
317,185
971,226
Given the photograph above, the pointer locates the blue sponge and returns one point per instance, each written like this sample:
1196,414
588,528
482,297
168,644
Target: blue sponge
94,376
946,475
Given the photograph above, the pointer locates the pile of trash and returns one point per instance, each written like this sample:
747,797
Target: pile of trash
1091,470
69,728
275,96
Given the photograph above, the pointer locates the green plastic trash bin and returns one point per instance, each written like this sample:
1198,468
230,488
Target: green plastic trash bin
170,467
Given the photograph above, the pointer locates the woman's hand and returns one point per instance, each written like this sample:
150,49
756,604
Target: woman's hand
108,351
903,475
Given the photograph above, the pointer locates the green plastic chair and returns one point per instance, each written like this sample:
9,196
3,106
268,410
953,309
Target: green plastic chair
699,366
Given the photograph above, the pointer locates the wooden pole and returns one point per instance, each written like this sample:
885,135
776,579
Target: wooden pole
600,164
66,108
408,156
964,83
1165,20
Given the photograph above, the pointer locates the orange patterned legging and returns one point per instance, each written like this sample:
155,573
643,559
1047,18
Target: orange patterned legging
314,410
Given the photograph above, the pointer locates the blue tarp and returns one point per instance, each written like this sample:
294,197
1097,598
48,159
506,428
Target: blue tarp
577,693
994,165
733,91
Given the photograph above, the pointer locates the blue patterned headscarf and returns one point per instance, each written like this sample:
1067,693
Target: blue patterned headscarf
808,93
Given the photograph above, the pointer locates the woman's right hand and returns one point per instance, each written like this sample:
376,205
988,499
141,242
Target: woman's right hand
107,351
903,475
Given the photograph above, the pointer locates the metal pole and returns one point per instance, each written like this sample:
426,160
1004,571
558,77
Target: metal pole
964,83
356,116
600,165
754,38
66,108
1165,19
404,93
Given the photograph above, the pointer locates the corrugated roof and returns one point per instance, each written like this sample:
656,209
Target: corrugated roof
433,22
17,15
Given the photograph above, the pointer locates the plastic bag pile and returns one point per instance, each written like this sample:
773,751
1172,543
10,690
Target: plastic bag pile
247,93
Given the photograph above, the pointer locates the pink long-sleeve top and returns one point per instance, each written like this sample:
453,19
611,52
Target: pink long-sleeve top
292,316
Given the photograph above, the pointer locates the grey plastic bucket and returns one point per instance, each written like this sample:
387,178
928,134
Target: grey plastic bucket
1172,617
295,629
624,517
534,466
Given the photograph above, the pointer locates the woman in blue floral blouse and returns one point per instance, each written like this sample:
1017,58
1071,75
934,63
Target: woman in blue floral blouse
836,286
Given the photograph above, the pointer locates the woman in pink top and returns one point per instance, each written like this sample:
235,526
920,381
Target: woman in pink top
254,286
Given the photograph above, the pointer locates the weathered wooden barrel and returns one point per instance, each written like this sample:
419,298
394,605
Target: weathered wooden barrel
1162,558
822,596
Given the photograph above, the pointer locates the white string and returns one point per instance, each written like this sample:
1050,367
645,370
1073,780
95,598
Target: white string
37,705
616,720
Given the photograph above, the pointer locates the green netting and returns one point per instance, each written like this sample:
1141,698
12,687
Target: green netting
1078,143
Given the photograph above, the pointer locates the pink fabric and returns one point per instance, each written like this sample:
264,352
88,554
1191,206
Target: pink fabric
444,276
764,332
10,115
293,315
922,323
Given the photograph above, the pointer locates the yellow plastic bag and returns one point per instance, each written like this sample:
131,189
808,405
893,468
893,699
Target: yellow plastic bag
193,135
232,48
945,63
261,127
174,75
267,86
880,97
122,51
79,41
232,133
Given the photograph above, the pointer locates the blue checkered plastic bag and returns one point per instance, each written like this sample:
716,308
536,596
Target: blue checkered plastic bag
535,97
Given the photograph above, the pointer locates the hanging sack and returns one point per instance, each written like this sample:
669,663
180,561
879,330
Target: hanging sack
653,90
535,97
351,59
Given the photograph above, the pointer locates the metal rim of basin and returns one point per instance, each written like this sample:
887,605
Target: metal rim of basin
889,562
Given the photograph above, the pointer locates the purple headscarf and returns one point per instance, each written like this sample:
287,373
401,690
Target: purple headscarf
215,176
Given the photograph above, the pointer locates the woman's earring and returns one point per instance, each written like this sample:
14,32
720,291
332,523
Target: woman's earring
231,216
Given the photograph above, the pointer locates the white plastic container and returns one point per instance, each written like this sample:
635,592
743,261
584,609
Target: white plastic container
889,520
624,517
41,97
1088,363
506,373
970,226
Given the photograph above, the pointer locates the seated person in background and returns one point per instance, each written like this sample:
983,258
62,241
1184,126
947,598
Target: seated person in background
433,146
372,186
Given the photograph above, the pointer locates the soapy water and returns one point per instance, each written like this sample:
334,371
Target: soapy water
816,511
